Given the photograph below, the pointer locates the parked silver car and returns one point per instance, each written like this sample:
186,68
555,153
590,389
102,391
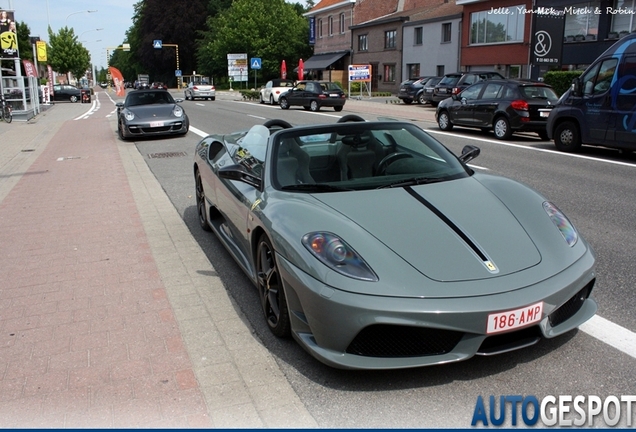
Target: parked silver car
200,90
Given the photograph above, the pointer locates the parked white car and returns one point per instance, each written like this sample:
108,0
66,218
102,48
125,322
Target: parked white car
200,90
275,88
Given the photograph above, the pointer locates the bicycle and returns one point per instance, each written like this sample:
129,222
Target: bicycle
5,112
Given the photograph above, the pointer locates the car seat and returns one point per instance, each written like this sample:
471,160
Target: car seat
356,158
292,166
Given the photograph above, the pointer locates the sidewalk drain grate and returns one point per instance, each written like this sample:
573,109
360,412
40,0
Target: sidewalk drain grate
166,155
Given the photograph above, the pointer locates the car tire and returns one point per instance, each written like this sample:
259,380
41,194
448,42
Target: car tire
501,127
567,137
200,197
185,96
120,131
543,135
283,103
213,98
444,122
270,288
337,108
420,99
74,98
260,99
314,106
271,100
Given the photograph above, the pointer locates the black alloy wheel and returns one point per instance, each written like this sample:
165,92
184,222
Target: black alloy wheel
200,196
271,290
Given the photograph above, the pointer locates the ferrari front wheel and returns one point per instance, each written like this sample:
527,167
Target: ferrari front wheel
271,290
200,197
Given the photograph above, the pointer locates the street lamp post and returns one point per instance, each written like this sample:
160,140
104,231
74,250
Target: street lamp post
75,13
81,34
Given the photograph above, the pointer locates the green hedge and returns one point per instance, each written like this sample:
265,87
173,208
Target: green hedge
560,80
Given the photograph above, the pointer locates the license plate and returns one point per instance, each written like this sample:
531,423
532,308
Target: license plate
429,90
544,113
335,95
156,124
509,320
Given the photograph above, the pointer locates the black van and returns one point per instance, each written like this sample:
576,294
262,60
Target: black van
600,107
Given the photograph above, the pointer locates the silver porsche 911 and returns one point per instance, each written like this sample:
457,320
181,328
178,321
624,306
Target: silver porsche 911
375,247
150,112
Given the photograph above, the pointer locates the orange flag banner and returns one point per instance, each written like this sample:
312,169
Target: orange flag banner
118,79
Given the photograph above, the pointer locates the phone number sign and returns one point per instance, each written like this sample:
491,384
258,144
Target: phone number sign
360,73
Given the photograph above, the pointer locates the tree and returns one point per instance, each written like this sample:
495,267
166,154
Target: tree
24,42
66,55
272,30
174,23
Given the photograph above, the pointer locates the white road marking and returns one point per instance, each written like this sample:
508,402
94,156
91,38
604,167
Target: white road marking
198,132
509,144
612,334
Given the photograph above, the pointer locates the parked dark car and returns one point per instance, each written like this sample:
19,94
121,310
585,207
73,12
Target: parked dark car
427,90
159,85
411,89
66,92
313,95
505,106
453,83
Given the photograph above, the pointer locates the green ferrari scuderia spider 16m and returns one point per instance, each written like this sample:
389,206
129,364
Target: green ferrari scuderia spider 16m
375,247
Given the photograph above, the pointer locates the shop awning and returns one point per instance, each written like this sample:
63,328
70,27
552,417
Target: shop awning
323,61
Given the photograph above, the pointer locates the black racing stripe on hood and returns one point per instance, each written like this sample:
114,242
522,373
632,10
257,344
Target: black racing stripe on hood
448,222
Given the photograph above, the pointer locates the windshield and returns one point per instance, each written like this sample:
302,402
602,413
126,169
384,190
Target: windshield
449,80
365,155
137,98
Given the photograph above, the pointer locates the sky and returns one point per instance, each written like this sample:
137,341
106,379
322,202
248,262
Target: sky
113,17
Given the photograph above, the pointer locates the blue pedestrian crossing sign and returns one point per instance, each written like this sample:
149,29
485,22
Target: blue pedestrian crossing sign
156,43
177,73
255,63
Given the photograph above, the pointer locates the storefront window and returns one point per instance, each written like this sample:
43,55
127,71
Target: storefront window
624,21
581,21
488,28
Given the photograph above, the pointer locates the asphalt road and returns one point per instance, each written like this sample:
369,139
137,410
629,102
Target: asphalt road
595,189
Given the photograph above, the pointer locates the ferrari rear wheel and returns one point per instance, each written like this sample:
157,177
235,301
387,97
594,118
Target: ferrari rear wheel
271,290
200,195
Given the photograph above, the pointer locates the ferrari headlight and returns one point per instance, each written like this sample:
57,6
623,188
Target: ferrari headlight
562,223
129,115
332,251
177,111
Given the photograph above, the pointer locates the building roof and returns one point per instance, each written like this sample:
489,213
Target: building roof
418,14
329,4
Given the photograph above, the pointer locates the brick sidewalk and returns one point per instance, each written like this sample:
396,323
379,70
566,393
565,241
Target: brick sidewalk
110,314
